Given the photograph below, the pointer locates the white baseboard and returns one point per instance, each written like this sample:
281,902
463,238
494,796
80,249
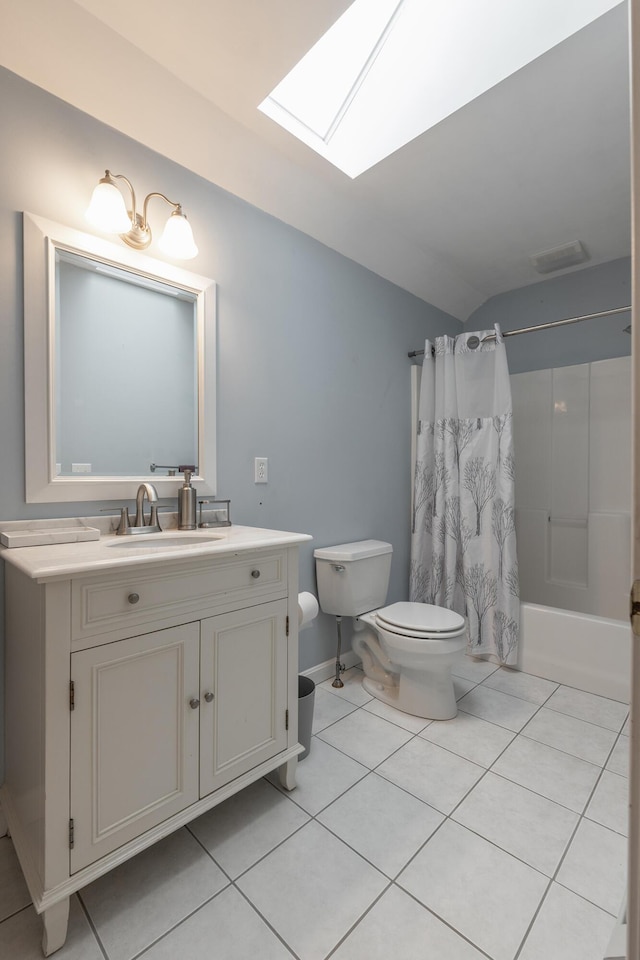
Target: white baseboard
323,671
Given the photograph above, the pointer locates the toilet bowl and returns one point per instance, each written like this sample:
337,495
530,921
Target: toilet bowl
407,652
407,649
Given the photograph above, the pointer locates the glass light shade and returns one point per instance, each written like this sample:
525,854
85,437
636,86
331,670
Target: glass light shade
177,238
107,210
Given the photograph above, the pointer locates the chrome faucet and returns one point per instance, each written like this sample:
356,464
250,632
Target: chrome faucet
152,496
139,524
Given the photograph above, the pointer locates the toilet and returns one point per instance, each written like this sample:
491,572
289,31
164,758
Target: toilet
407,649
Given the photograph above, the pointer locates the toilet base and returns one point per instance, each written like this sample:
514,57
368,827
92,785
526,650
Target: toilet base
426,694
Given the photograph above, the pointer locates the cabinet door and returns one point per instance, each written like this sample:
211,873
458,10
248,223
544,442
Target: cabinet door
244,665
134,738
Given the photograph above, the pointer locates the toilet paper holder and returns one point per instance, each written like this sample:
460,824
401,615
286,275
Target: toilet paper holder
307,609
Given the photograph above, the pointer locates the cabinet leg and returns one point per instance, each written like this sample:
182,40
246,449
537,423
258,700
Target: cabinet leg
55,920
287,773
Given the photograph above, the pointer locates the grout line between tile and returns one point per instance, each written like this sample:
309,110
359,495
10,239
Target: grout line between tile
567,753
446,817
554,879
269,852
358,921
599,777
533,920
598,906
591,723
516,695
15,913
395,723
92,926
358,852
284,943
581,817
599,696
333,722
502,726
210,855
613,748
445,922
178,924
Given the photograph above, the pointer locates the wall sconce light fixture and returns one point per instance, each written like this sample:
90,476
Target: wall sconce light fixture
108,212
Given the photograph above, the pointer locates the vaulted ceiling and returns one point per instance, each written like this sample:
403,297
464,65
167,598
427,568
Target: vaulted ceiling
454,216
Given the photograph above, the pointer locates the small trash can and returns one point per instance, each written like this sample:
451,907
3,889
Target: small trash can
306,696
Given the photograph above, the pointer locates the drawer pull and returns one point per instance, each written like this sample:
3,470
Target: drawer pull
194,703
209,696
255,574
133,597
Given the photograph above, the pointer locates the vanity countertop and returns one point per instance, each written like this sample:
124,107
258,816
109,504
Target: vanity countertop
61,560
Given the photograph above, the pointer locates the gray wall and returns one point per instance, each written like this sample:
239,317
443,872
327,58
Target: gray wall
576,293
312,348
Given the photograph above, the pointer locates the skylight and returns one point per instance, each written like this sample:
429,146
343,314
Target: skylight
388,70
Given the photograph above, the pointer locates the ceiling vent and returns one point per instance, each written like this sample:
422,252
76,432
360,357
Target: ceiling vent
560,257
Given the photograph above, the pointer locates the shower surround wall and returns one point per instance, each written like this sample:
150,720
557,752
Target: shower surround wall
572,449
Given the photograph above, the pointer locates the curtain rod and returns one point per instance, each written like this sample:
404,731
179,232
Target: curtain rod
542,326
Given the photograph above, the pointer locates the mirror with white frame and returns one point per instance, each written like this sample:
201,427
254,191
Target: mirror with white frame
119,369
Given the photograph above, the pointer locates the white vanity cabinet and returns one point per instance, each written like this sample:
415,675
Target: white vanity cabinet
137,698
134,738
163,719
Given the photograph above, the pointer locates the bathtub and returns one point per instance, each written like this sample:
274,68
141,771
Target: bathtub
591,653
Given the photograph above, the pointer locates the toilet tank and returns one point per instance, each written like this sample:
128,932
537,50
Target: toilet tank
353,578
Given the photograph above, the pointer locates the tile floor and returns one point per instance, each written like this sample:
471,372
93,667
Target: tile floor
500,834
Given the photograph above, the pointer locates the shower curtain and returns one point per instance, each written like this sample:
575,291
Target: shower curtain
463,545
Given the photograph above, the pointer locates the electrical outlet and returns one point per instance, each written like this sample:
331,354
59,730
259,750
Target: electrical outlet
261,470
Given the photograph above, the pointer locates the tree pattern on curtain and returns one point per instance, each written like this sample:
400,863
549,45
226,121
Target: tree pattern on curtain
463,527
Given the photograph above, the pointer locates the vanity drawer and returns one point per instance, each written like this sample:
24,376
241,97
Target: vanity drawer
135,597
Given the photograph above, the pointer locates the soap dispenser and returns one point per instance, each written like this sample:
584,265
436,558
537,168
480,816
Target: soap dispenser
187,504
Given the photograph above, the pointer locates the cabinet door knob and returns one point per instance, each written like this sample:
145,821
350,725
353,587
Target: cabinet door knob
255,574
133,597
194,703
209,696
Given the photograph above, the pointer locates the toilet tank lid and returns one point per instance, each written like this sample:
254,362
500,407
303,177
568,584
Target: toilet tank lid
353,551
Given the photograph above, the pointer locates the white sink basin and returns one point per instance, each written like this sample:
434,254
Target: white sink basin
164,541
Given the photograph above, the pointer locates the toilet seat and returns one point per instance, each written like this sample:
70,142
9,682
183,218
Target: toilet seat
420,620
418,634
426,634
